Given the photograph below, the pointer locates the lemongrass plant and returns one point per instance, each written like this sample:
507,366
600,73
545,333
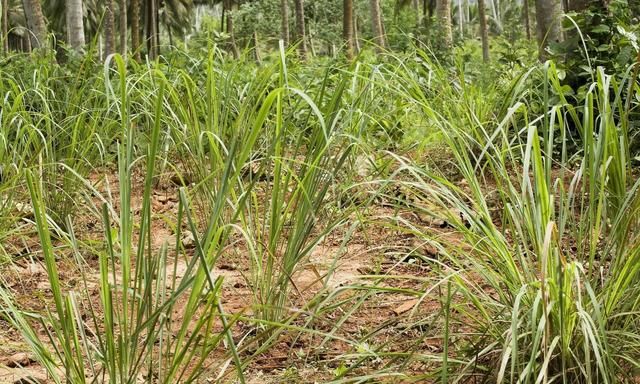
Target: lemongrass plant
133,333
546,291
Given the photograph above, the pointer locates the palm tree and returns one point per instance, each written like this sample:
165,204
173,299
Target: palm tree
109,29
443,10
5,26
35,23
151,28
55,12
356,39
232,38
284,10
300,29
347,27
135,28
123,27
497,15
527,19
484,31
17,36
75,24
377,26
175,16
548,18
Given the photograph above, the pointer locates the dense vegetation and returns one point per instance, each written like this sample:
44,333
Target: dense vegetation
374,191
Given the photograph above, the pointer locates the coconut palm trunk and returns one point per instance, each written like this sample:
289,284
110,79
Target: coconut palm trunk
347,27
5,26
109,29
443,11
527,19
300,29
152,28
549,29
495,10
484,30
35,23
256,48
284,11
135,28
75,26
123,27
356,38
377,26
230,30
460,18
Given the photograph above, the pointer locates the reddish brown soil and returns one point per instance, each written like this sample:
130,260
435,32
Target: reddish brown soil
376,254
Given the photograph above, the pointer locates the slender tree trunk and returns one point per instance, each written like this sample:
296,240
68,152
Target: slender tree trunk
460,18
467,13
256,48
198,18
376,24
356,38
443,10
417,11
123,27
135,28
284,10
484,30
527,19
146,32
300,29
156,30
109,29
232,38
347,27
223,16
548,17
496,15
75,26
35,23
5,26
311,42
152,32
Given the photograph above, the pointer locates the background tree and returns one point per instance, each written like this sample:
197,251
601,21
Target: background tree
229,5
135,28
75,24
109,29
527,18
484,30
151,28
5,26
300,29
443,11
347,27
123,26
35,23
284,11
377,25
549,25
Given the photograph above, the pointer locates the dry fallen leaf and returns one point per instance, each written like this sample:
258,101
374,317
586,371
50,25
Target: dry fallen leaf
406,306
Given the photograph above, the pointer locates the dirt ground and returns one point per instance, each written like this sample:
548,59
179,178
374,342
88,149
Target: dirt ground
375,254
